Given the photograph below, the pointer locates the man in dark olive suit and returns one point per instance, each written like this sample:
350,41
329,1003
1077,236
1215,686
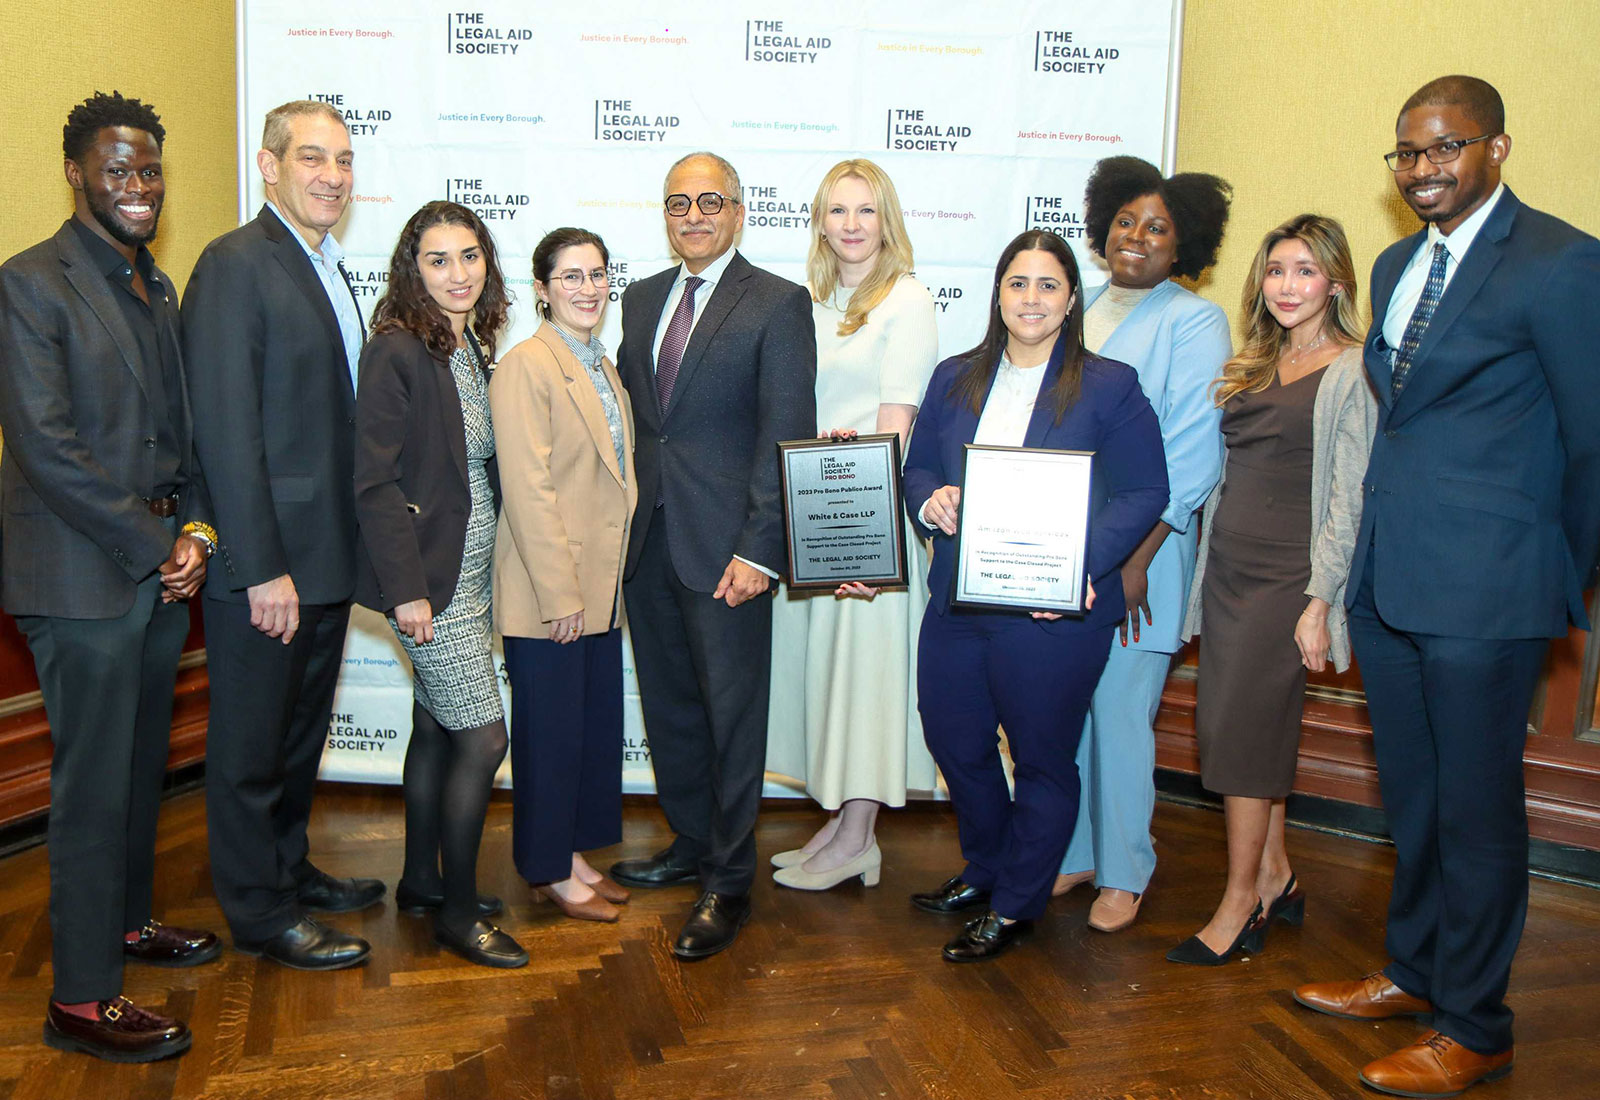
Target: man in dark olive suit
1480,530
273,332
720,358
103,520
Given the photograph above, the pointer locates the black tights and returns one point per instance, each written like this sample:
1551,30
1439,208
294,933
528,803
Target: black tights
447,778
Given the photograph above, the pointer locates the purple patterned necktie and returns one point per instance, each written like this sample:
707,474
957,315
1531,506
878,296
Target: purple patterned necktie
1432,291
673,343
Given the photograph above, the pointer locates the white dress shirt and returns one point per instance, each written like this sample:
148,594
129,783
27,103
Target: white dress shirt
712,274
1007,412
1408,291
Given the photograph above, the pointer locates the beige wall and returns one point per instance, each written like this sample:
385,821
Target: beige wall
1295,104
176,55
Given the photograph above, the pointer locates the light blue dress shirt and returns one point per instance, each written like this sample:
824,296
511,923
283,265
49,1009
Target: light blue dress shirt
326,263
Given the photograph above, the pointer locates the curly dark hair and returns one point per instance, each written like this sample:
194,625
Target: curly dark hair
406,304
1197,202
973,381
97,112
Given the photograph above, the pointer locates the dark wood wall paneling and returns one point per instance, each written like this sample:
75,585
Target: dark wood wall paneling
1562,759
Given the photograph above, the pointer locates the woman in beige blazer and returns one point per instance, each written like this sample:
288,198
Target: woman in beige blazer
564,438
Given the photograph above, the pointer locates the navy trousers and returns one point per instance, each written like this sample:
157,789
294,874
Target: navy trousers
566,750
1449,722
975,674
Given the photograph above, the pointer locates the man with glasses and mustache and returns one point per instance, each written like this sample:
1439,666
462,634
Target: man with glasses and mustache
105,538
720,358
1480,531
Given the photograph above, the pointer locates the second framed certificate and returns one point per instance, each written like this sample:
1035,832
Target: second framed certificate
842,511
1022,529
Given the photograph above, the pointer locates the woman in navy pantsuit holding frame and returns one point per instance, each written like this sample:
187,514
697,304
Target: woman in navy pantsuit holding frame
1029,383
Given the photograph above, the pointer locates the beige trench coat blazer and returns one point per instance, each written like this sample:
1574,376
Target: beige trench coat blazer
566,507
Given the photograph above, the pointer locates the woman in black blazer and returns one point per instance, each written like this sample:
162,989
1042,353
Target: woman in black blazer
426,494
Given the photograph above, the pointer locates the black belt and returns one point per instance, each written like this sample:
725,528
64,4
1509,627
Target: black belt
162,506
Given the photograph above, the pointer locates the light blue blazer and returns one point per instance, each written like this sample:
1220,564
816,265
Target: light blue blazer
1177,342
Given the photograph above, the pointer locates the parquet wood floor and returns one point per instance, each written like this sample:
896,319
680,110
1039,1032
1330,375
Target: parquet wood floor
840,995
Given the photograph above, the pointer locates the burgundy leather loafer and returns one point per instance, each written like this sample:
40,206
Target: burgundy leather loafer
168,945
120,1032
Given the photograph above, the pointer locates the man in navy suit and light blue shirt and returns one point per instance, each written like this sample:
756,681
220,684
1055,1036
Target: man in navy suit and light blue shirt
1480,530
272,329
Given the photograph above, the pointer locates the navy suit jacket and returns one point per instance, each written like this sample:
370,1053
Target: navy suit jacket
275,415
1482,499
1112,418
748,379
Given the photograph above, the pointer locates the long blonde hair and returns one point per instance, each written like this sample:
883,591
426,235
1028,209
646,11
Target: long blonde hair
1253,368
894,258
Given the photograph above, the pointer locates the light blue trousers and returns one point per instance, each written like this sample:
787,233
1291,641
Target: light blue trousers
1116,765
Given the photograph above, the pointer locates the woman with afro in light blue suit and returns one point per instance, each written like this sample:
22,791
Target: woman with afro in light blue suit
1150,230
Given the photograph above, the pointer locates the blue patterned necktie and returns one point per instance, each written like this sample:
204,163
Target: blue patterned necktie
674,342
1432,291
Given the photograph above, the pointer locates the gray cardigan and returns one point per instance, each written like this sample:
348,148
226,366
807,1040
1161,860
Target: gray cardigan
1343,423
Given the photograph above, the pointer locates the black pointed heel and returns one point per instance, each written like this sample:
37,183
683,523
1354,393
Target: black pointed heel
1290,905
1251,938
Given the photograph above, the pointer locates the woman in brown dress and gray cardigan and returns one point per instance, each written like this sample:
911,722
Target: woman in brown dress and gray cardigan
1276,540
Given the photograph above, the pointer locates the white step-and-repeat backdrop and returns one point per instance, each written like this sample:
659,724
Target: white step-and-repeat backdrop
987,117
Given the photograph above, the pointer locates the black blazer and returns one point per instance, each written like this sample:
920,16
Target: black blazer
275,415
79,441
1482,499
412,494
748,379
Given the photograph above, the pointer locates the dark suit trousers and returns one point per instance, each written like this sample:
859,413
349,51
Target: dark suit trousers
107,687
270,708
975,674
703,685
566,750
1449,723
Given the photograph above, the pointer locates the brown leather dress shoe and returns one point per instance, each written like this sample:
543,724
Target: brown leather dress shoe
1374,997
120,1032
594,908
168,945
615,894
1435,1065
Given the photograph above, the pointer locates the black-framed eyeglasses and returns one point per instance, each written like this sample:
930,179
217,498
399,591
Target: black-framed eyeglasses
573,278
1442,152
709,202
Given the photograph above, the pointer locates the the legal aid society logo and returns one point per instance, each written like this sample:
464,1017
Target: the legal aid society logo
471,33
368,281
774,207
632,121
1055,214
1065,52
490,203
917,130
772,42
361,119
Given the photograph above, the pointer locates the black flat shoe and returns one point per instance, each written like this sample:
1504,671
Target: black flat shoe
713,925
1290,904
483,944
1251,937
309,945
416,902
952,897
327,894
985,938
665,868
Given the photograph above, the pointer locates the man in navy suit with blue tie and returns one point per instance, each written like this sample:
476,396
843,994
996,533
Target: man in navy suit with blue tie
1480,531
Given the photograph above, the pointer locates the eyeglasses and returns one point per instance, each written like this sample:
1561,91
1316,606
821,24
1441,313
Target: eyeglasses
1440,153
573,279
709,202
